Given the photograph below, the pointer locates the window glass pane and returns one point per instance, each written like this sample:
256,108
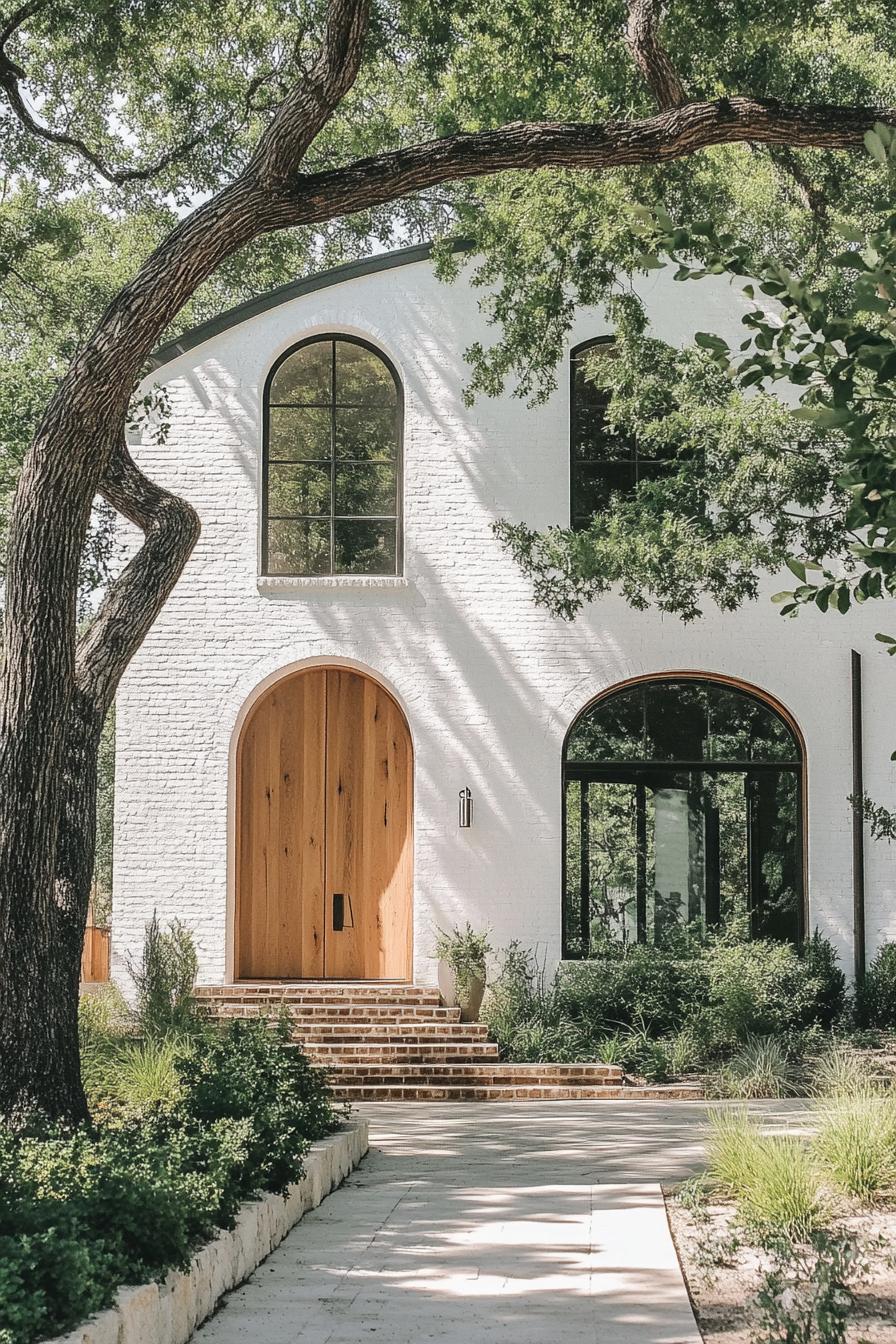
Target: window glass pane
367,435
297,435
676,720
744,729
654,469
298,489
589,405
362,379
593,485
300,547
611,842
365,488
612,731
365,547
306,376
707,846
727,797
774,854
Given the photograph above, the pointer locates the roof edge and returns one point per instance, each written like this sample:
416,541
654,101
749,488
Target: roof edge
294,289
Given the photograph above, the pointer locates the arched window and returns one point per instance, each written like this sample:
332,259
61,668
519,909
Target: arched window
603,460
682,805
332,459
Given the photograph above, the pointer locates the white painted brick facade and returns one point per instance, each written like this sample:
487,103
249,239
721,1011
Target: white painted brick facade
489,683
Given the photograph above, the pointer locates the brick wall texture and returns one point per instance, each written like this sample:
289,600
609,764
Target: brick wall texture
489,682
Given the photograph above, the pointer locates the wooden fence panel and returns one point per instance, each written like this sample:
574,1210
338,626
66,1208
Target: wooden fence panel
95,957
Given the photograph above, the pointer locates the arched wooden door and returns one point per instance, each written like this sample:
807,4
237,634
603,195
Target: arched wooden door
324,832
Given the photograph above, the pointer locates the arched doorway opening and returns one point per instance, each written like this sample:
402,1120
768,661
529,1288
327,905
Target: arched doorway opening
324,831
682,806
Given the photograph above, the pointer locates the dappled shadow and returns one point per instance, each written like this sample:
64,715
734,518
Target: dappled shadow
527,1223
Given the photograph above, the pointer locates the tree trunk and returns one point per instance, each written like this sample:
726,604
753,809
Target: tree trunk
39,1058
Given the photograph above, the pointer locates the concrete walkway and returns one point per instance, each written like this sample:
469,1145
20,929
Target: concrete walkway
530,1223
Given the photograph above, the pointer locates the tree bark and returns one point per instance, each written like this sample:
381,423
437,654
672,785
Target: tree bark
53,695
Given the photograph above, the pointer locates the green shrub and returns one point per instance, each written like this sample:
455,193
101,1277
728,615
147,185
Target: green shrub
524,1016
82,1213
249,1070
644,987
666,1010
876,999
184,1130
765,988
856,1143
164,979
806,1293
758,1068
103,1021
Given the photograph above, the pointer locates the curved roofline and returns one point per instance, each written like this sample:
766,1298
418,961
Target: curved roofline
351,270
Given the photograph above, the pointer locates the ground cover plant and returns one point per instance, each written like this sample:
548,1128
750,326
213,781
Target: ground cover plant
189,1118
788,1236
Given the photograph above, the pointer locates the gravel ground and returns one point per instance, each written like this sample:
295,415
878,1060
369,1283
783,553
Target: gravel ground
721,1294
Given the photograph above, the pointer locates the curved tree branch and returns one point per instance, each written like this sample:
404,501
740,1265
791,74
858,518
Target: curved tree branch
10,77
650,56
309,105
171,528
612,144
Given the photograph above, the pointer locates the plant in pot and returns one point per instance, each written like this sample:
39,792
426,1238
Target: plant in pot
462,954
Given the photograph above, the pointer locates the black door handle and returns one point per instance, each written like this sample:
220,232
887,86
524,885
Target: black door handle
339,900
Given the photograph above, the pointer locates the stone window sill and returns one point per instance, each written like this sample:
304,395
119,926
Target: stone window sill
274,586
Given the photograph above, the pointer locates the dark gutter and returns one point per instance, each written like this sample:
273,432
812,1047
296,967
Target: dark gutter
295,289
858,820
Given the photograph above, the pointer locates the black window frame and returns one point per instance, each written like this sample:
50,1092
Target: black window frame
640,772
580,518
333,338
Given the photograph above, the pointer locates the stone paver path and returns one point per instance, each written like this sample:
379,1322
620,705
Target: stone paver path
530,1223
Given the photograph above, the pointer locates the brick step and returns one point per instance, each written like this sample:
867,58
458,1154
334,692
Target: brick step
345,1012
408,1052
517,1092
318,993
412,1040
388,1032
486,1074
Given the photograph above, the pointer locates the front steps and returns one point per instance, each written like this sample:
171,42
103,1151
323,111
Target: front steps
385,1042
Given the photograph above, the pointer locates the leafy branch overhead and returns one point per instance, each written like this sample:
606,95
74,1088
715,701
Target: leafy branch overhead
842,355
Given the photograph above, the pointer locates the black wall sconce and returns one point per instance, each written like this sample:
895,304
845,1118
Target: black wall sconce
465,808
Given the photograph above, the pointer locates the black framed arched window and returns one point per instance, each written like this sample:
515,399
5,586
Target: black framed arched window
603,460
682,805
331,487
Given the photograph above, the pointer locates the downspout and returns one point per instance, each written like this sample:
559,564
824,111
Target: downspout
858,821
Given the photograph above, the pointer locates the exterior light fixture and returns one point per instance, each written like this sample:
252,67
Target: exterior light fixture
464,808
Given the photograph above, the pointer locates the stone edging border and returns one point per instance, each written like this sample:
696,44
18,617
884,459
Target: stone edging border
168,1312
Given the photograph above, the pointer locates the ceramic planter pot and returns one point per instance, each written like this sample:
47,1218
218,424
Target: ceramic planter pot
471,1001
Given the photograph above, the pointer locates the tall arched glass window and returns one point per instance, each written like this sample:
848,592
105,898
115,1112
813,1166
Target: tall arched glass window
332,461
683,805
603,460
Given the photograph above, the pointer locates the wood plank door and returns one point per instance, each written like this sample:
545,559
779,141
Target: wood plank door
324,832
281,832
369,832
